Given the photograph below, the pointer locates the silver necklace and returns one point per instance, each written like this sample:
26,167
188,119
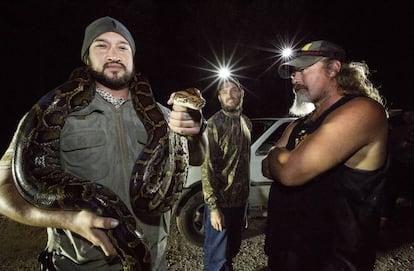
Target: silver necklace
116,102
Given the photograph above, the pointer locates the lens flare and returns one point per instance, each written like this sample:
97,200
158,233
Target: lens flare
224,73
224,66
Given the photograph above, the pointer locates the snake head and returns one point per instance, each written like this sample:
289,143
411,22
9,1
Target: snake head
190,97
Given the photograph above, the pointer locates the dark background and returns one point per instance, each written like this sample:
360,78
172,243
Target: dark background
177,40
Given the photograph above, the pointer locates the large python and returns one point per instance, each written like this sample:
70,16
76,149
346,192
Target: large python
157,182
156,178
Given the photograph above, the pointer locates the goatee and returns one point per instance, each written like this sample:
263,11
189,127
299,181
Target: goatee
301,105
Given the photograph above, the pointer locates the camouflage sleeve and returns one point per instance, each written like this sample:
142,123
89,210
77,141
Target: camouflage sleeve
207,169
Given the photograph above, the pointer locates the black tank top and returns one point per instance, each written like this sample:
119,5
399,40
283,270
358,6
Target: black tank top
332,221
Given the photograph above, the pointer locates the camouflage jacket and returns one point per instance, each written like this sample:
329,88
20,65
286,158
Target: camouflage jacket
225,172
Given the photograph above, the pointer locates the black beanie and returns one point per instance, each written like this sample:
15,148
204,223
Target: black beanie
102,25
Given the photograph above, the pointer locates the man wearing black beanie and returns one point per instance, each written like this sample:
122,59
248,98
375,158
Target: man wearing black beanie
102,25
73,154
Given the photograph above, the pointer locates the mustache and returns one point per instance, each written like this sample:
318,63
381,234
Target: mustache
118,62
299,86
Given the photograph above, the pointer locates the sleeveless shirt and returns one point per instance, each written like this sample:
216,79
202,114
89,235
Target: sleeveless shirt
331,222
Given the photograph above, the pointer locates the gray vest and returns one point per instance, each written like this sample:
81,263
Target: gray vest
98,143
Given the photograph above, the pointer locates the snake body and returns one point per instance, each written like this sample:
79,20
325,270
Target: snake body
40,179
157,182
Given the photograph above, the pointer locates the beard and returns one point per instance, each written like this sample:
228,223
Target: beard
115,82
302,104
231,109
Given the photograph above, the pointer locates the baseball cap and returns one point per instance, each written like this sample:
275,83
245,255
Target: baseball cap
103,25
311,53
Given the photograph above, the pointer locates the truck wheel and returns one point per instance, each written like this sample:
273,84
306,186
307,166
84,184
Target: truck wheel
190,220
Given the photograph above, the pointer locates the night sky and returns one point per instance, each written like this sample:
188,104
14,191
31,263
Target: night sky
178,40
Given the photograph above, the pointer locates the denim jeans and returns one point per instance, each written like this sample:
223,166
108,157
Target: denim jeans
220,247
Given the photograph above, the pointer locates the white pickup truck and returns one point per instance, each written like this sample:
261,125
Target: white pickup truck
190,207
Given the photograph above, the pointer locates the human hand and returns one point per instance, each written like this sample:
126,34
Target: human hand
186,117
90,226
217,220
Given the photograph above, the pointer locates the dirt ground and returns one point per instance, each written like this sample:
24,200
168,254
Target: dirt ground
20,244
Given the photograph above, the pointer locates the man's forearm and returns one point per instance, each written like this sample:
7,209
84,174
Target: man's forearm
14,206
277,156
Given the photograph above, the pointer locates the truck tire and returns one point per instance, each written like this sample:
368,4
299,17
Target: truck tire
190,220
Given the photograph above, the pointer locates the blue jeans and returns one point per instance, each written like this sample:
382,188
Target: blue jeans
220,247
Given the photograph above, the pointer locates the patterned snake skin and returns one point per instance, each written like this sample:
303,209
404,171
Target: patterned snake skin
41,181
159,181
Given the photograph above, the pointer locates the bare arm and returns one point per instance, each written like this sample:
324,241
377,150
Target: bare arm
280,144
354,134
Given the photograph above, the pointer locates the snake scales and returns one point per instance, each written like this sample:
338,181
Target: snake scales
156,179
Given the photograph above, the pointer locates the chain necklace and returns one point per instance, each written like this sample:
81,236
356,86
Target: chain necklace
116,102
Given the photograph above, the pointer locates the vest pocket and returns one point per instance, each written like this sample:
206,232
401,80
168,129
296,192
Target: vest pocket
84,154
